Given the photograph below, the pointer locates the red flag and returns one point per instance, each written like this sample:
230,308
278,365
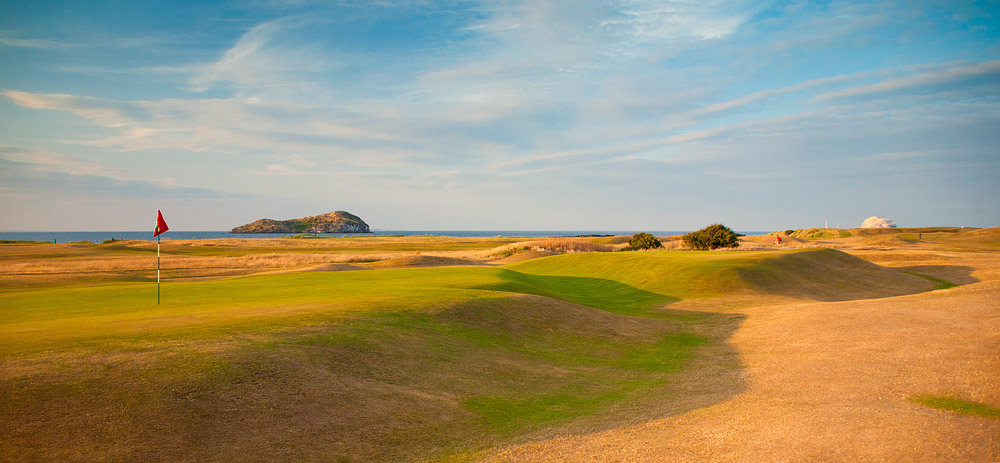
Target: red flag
161,226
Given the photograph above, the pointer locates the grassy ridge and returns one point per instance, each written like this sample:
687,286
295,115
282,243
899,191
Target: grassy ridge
812,274
368,365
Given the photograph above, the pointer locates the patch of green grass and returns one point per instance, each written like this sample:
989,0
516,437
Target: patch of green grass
821,233
621,369
603,294
508,415
53,318
938,283
964,407
670,275
539,375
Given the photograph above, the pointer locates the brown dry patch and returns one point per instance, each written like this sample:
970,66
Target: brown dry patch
422,261
313,268
526,255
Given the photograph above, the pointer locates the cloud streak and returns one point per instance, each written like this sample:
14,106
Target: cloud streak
926,80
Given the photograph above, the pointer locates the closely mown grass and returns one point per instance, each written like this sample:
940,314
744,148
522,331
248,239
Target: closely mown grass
938,283
964,407
599,293
507,415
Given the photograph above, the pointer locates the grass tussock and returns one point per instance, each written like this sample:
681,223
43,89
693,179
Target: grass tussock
964,407
553,246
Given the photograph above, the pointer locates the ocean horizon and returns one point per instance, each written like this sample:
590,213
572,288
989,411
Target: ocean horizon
100,236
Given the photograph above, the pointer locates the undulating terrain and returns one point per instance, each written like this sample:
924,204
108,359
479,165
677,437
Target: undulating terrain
835,345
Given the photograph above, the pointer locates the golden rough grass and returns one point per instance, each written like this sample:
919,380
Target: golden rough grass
47,264
552,246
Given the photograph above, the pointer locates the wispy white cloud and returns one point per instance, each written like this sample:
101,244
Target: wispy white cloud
654,20
559,160
49,174
279,169
209,125
57,162
39,44
274,54
109,113
922,80
904,155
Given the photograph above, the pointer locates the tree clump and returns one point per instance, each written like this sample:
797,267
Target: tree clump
712,237
642,241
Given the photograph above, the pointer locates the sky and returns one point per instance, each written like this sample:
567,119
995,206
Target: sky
499,114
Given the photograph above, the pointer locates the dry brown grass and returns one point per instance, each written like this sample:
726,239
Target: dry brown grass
44,264
552,246
58,264
830,382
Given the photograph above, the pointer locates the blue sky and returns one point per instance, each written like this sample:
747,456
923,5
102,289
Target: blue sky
499,115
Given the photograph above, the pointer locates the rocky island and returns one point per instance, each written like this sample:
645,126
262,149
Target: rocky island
333,222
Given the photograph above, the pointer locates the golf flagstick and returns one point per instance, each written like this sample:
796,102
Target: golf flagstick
157,270
161,226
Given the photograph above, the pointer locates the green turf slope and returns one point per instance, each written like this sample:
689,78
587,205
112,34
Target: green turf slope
663,276
378,365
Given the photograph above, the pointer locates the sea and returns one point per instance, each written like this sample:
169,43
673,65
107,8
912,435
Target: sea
100,236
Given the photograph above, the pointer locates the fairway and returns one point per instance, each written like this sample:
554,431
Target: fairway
395,361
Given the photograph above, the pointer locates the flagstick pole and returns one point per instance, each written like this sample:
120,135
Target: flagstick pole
157,269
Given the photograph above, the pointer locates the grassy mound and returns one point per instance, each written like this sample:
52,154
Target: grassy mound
660,277
380,365
821,233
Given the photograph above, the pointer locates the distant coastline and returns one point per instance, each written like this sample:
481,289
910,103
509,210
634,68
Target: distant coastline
99,236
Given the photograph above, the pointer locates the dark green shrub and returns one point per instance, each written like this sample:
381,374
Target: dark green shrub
789,232
642,241
712,237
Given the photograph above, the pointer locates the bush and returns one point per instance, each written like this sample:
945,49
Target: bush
712,237
789,232
642,241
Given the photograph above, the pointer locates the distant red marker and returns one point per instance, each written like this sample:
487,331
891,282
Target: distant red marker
161,226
